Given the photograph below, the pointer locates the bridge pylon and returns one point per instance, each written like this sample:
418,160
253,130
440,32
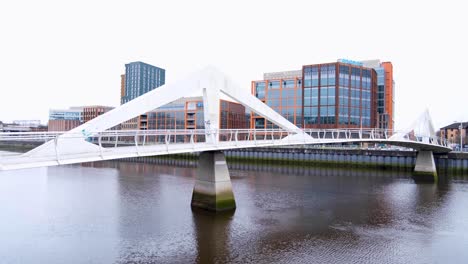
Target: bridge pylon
425,169
213,188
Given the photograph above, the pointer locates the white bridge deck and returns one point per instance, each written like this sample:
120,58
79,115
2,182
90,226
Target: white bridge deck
117,144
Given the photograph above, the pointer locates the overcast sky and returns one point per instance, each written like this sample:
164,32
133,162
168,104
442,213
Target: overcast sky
56,54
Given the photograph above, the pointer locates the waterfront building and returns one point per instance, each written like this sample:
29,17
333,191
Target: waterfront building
339,95
140,78
282,91
187,113
65,119
342,94
452,132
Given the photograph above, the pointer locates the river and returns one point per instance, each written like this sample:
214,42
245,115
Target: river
123,212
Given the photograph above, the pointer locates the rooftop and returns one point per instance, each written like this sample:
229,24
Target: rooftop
140,62
456,125
282,75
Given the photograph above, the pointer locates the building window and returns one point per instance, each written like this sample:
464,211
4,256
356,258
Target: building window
260,90
274,85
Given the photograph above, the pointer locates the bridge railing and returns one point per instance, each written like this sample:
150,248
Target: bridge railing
138,138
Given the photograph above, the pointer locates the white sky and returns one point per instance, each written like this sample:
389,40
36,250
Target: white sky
56,54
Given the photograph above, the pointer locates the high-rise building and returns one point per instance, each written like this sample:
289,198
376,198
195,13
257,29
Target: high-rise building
385,93
140,78
342,94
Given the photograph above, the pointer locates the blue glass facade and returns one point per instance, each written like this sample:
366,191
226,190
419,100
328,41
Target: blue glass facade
141,78
319,94
380,90
338,95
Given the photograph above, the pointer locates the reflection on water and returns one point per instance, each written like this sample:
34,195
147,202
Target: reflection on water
212,235
121,212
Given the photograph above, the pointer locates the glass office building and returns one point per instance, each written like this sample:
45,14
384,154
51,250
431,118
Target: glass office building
282,92
341,94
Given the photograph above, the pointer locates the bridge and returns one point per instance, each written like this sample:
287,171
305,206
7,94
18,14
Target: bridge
96,140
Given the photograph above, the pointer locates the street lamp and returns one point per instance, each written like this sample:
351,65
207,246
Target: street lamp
460,131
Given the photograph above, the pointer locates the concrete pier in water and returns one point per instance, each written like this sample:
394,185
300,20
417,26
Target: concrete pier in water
213,188
425,169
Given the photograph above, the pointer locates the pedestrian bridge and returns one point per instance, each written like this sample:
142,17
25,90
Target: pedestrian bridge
118,144
96,140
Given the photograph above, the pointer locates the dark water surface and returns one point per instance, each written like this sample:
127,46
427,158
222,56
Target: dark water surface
140,213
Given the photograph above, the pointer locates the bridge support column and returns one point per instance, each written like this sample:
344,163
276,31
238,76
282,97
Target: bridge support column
213,188
425,169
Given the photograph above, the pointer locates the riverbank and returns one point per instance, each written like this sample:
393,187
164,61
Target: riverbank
19,146
453,163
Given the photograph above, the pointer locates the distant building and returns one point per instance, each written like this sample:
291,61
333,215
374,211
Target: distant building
452,132
91,112
140,78
22,126
15,128
65,119
188,114
40,128
27,123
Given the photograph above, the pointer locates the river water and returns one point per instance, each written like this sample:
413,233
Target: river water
121,212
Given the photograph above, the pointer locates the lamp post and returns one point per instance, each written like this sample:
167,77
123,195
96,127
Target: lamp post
461,135
460,131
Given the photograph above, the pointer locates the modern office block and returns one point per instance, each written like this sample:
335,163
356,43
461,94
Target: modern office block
342,94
